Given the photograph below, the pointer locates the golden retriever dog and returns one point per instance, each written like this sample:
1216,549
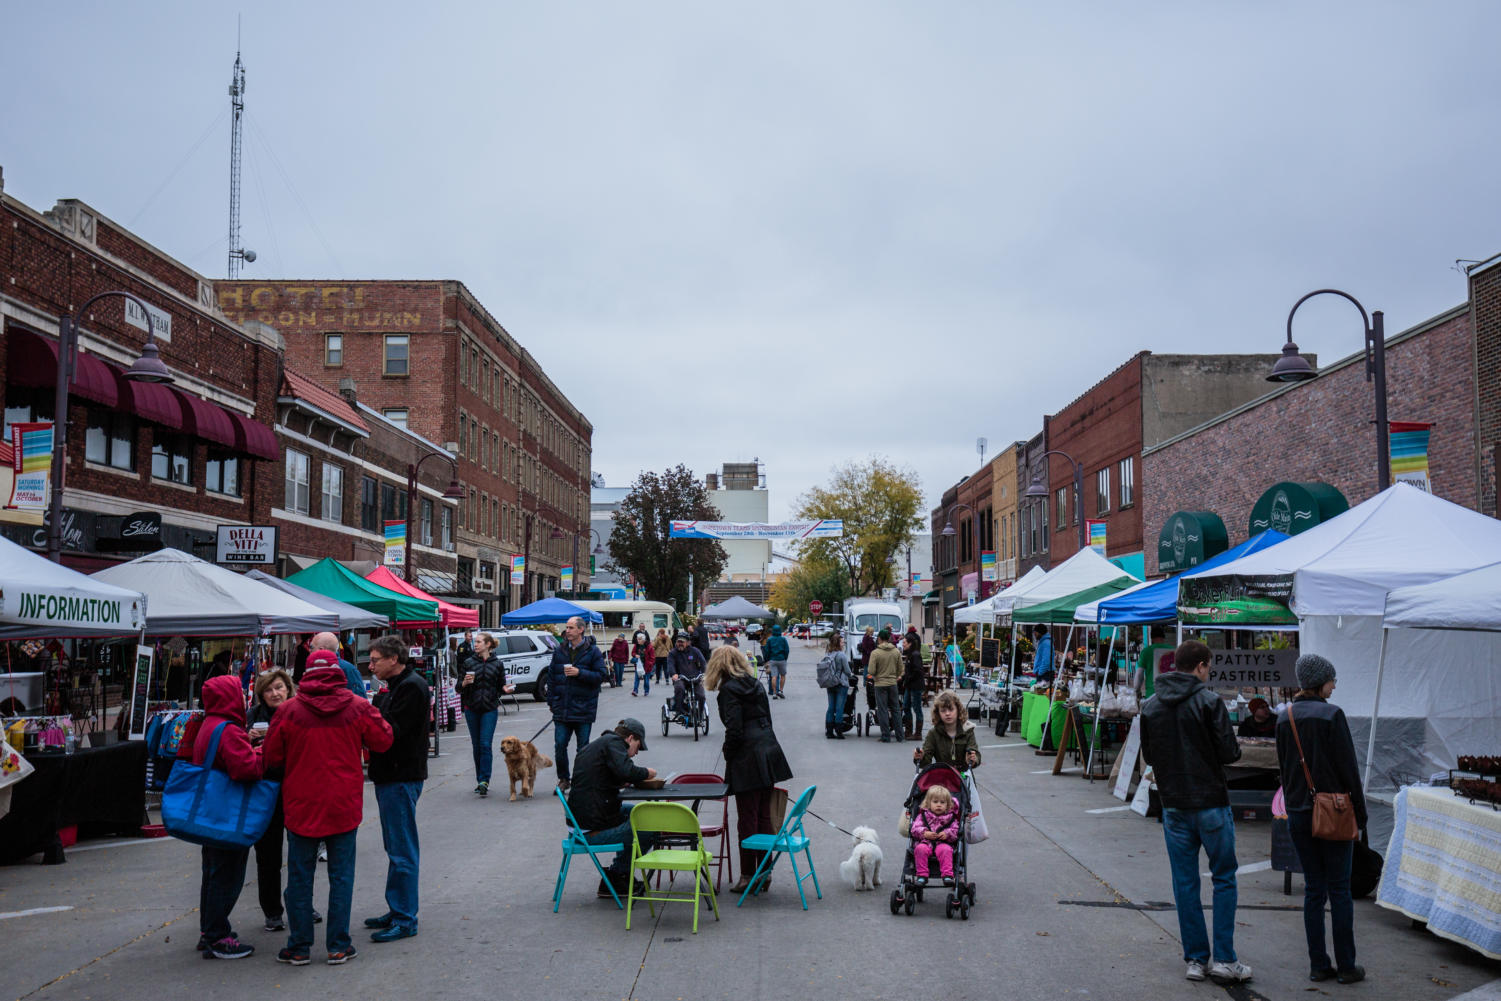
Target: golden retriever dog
522,761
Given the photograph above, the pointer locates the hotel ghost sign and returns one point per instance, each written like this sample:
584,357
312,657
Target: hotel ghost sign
246,544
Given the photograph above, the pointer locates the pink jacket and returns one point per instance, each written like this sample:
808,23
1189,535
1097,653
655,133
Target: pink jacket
945,825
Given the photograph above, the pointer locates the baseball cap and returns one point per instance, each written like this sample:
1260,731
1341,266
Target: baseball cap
322,658
636,729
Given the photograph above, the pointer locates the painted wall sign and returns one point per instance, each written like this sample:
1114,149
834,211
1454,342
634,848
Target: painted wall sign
1189,538
1291,508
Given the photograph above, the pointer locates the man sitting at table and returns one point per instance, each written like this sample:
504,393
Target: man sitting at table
599,771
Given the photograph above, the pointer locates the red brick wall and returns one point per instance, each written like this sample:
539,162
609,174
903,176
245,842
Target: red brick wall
1097,430
1485,301
1323,431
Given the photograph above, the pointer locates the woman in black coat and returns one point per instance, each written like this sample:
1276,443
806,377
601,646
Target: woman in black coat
753,760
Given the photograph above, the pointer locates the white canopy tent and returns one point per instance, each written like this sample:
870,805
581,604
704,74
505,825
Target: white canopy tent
1089,612
985,611
1084,570
190,597
42,598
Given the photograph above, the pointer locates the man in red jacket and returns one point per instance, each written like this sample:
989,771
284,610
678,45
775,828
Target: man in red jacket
317,739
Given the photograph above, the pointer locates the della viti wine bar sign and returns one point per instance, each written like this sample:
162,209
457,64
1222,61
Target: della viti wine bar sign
246,544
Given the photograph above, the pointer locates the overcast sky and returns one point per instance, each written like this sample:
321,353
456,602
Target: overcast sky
803,232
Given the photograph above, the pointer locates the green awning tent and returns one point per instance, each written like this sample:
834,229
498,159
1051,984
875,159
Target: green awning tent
1061,610
332,579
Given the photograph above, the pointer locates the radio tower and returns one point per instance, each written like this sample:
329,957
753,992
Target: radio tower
237,105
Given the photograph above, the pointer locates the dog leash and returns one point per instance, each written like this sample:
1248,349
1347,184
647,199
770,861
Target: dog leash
826,820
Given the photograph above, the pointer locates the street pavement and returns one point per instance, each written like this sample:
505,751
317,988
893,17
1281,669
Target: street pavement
1068,888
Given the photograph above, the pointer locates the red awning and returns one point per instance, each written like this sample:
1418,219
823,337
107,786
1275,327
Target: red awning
32,361
254,438
206,420
150,401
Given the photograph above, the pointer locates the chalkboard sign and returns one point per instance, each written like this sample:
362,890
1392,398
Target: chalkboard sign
990,653
140,688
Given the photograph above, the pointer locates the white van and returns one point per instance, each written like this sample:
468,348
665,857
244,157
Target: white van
874,613
623,616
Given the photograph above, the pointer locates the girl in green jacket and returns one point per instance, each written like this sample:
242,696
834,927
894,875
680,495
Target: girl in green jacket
951,740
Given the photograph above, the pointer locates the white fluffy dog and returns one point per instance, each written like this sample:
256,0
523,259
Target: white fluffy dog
862,869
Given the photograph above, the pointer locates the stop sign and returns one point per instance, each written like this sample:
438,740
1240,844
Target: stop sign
815,607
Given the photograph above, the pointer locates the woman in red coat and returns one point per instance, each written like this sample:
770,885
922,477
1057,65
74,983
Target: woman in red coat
620,655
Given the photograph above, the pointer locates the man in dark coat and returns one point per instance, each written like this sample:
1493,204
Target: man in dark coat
573,679
685,666
601,770
398,774
701,639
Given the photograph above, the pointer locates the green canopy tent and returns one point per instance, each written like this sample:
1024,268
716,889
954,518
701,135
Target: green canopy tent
1061,610
332,579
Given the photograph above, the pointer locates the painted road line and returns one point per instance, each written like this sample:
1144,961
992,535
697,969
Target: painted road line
34,910
1243,870
118,844
1021,743
1109,809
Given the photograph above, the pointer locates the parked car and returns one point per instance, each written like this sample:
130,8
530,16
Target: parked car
526,654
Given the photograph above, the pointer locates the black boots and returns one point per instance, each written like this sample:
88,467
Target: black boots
828,731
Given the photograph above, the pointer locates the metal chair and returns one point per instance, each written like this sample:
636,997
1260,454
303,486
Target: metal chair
720,830
669,819
574,844
790,840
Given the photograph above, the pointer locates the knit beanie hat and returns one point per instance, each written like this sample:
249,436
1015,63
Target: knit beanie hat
1314,672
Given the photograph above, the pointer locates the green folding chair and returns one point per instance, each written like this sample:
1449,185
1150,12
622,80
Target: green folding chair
669,818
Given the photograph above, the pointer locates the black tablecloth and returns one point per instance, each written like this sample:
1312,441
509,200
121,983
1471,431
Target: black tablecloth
100,789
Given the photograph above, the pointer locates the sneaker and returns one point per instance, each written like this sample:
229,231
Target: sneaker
1353,975
340,958
483,789
603,893
1238,973
228,948
276,924
393,933
1195,970
384,921
204,943
317,918
293,957
1319,976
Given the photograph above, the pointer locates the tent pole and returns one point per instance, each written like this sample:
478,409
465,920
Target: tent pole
1094,738
1370,750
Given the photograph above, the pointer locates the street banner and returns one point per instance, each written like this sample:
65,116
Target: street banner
917,581
1097,536
31,443
396,543
565,575
1235,600
1409,445
832,528
988,567
518,569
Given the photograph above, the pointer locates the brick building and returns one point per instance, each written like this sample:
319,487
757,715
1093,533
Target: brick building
1485,321
428,355
1003,495
178,460
1322,431
1032,538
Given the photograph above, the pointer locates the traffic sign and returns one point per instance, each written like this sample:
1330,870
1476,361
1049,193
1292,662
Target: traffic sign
815,606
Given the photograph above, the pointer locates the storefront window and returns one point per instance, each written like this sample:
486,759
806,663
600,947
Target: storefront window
172,458
221,473
111,439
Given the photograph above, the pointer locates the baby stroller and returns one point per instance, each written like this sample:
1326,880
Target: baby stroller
961,896
859,720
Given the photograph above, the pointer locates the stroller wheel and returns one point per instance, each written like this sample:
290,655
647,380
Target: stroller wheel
896,902
972,898
948,906
964,910
910,906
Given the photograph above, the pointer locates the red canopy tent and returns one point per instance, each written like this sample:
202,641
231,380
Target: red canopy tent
449,616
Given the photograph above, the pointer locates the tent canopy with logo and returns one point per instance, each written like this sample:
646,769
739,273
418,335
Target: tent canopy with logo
42,598
1157,601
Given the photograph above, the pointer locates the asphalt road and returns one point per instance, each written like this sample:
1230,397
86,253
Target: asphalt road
1067,886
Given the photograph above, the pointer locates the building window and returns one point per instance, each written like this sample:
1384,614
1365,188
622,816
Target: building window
484,387
111,439
495,516
1102,490
484,514
463,434
447,524
221,473
369,505
1128,481
333,350
425,522
469,516
495,388
393,503
1060,497
172,458
396,354
396,416
333,492
297,482
505,520
463,363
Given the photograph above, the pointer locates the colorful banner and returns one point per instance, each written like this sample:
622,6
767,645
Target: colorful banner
1409,444
832,528
1097,536
518,569
565,575
917,581
1261,600
988,567
32,463
396,543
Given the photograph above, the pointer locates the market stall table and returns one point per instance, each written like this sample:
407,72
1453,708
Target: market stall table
101,790
1443,866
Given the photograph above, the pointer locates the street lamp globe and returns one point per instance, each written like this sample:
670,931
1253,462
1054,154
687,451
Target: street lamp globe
1291,367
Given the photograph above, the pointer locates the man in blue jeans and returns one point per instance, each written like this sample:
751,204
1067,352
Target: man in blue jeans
1187,740
397,775
573,679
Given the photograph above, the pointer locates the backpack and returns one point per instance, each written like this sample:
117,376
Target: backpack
827,672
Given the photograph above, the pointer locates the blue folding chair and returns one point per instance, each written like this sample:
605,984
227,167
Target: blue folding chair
790,840
574,844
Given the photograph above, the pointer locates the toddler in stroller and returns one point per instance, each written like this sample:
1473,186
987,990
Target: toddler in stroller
938,802
935,832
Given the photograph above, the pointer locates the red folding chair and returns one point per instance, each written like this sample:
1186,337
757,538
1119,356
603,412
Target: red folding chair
721,830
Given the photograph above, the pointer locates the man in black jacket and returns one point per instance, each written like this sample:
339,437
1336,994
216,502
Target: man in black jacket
599,772
398,774
685,666
1187,739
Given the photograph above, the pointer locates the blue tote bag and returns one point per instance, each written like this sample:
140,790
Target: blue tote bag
203,805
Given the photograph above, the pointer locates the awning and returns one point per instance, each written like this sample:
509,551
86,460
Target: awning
254,438
206,420
32,361
150,401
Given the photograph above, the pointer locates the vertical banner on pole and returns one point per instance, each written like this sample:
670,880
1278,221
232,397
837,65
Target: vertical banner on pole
1097,536
988,567
31,443
565,575
396,543
1409,450
518,569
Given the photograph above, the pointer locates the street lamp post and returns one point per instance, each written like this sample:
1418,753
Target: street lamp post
454,492
1293,367
1037,488
598,550
147,368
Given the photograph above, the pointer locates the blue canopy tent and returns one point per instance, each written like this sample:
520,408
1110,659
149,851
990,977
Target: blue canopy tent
548,610
1158,602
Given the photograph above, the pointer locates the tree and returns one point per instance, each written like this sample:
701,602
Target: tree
812,578
879,503
640,542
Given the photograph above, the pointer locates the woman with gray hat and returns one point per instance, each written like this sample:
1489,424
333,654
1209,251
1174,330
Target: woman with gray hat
1320,753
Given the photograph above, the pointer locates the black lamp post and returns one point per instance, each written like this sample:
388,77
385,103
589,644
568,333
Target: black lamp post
1037,488
454,492
147,368
1293,367
597,551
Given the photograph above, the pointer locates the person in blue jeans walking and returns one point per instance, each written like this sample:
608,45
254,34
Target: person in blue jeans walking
833,718
481,683
1187,739
398,775
573,678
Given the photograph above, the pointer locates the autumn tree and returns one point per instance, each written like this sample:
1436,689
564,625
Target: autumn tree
879,504
820,579
640,542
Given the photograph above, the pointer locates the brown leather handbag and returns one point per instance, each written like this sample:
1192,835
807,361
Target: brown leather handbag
1333,813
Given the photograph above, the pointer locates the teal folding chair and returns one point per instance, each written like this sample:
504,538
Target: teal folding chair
790,840
574,844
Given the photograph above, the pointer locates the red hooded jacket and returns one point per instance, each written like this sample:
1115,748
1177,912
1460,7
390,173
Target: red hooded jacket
316,740
224,702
